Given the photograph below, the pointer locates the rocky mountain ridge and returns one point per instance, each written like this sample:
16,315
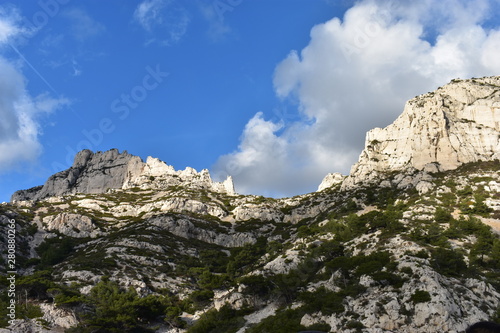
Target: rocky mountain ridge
98,172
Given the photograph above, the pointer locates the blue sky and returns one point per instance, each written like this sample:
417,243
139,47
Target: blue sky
276,93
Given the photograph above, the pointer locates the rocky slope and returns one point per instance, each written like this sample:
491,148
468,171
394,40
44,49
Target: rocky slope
403,244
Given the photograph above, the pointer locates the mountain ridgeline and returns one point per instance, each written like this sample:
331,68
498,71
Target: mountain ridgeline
407,242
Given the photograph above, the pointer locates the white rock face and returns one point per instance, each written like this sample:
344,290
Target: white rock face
330,180
458,123
57,316
73,225
157,174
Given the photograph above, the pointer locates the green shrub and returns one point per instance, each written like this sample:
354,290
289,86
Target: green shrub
372,263
324,300
113,309
66,296
201,298
448,262
286,285
256,285
245,257
496,316
354,324
284,321
477,207
406,270
54,250
495,254
215,260
467,226
28,310
225,320
420,296
388,278
442,216
422,254
465,192
328,250
352,289
322,327
36,285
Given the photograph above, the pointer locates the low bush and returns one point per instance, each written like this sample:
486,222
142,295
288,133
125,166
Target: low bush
420,296
324,300
448,262
284,321
225,320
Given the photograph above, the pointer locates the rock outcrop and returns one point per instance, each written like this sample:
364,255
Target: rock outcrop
73,225
456,124
330,180
93,173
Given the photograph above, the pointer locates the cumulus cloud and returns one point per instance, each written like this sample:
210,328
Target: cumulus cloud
19,112
355,74
165,21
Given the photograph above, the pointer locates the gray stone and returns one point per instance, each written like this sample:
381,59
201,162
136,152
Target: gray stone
93,173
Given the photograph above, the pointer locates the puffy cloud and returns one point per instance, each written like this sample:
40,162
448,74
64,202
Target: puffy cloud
19,128
165,20
356,74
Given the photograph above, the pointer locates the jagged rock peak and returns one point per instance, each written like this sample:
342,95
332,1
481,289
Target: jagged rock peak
330,180
456,124
98,172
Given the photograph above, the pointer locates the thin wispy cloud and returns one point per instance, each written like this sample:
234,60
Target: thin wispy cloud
355,74
164,21
218,29
70,48
82,25
20,128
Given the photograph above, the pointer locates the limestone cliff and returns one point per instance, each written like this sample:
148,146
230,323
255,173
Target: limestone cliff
456,124
330,180
98,172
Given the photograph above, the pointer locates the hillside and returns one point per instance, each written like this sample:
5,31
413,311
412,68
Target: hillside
408,242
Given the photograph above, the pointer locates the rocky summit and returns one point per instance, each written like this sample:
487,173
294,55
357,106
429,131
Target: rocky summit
456,124
101,171
407,242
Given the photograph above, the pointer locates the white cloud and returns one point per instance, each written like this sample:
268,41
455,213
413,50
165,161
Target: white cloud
19,127
218,29
82,25
9,16
148,13
356,74
165,20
